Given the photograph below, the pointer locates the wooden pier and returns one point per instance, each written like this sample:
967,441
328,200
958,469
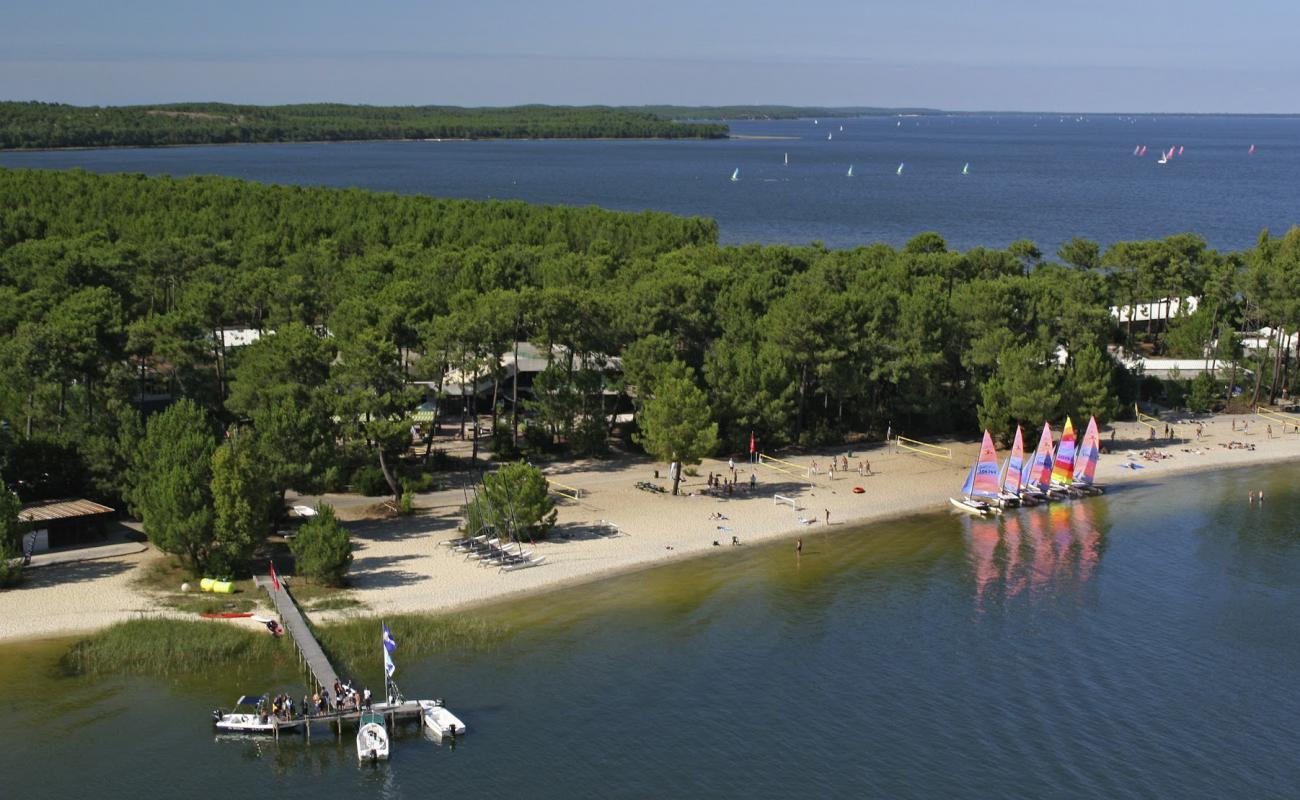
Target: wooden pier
295,624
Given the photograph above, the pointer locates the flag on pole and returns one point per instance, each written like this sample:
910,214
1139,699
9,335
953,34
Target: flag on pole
275,580
390,644
753,448
389,667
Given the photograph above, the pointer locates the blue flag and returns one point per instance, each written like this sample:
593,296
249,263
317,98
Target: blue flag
389,644
389,666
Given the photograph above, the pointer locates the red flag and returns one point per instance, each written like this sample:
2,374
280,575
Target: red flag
752,448
274,579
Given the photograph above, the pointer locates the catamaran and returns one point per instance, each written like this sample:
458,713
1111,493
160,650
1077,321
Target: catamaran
900,169
850,171
1063,468
1036,477
828,137
981,485
1085,467
735,174
1009,480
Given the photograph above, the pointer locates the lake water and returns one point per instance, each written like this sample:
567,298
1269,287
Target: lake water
1044,178
1141,644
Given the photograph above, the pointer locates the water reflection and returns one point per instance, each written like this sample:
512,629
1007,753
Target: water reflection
1039,552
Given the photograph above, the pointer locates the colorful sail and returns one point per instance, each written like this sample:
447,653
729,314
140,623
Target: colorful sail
1063,469
969,485
1039,471
1015,463
1086,465
986,470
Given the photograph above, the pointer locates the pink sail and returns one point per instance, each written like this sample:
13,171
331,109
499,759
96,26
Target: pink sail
1040,474
1015,463
1086,465
986,470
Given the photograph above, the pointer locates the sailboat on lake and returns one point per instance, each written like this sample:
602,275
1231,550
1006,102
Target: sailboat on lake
900,169
1085,466
1036,477
1009,480
965,170
735,174
787,160
981,487
1063,468
850,173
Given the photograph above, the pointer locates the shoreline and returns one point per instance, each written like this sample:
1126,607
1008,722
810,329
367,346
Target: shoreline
399,569
85,148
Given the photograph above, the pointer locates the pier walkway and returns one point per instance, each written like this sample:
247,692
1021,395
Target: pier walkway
295,624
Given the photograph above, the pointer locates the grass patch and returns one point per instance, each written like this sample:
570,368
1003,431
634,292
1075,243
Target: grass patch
163,578
210,603
165,647
336,603
356,641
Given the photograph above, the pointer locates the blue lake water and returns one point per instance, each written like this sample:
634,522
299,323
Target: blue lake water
1141,644
1044,178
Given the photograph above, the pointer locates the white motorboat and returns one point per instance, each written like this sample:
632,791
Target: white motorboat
435,716
250,721
372,739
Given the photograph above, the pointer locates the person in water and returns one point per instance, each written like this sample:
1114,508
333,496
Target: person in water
798,547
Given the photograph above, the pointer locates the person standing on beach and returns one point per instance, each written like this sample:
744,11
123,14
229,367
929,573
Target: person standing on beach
753,481
828,516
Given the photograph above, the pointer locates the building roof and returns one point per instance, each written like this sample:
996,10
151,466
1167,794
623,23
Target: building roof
46,510
1155,310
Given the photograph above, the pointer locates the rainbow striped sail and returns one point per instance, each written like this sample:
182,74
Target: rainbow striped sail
1086,466
1038,472
1015,463
1063,469
986,470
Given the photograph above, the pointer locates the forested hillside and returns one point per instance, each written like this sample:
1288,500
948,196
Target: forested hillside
111,288
26,125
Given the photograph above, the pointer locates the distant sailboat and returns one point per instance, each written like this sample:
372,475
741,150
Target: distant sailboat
1251,151
828,137
982,484
1164,158
965,170
1144,150
900,169
850,170
841,129
815,122
787,159
898,124
735,175
1137,150
1180,149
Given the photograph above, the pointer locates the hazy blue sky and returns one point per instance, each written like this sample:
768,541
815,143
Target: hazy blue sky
1092,55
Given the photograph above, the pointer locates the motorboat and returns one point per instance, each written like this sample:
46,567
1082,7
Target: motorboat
238,720
435,716
372,738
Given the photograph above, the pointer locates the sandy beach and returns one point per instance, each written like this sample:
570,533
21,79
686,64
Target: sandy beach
400,568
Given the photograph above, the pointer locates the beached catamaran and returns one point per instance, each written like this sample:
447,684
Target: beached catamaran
1063,469
981,488
1085,467
1036,478
1009,482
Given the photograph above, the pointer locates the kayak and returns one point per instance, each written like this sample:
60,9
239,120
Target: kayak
225,616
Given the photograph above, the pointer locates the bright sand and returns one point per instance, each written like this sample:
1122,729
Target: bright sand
399,567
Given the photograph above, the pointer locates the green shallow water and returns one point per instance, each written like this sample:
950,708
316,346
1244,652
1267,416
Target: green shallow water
1145,643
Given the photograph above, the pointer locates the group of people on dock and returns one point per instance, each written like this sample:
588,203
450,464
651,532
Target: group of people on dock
346,698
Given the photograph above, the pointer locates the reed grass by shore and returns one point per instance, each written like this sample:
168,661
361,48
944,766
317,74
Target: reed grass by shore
356,640
162,647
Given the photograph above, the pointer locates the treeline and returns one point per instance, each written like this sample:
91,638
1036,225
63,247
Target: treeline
113,290
50,125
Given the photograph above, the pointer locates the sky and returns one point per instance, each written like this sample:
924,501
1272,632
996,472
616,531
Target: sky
1013,55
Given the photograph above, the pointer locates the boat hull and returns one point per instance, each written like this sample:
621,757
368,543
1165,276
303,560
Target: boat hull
372,742
971,506
244,723
438,719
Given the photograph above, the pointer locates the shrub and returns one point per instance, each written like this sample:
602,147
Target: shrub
407,504
537,439
322,548
369,481
503,443
588,437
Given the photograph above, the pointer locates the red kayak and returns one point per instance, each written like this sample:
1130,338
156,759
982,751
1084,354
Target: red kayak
225,616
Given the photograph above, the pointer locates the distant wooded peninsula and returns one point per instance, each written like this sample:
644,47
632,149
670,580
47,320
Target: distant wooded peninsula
25,125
